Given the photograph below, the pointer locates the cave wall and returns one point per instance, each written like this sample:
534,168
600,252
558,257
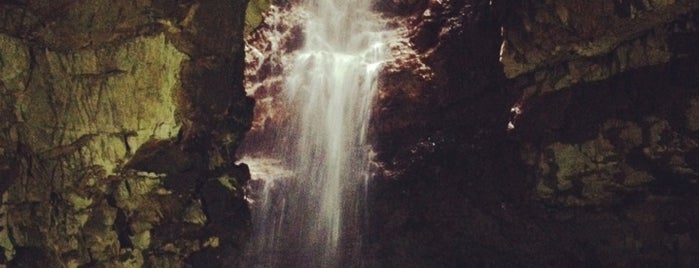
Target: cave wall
118,130
547,134
606,124
618,85
440,137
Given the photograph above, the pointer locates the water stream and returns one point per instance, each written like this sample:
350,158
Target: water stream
309,215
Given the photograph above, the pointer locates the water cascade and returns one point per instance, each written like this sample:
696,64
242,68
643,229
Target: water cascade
310,215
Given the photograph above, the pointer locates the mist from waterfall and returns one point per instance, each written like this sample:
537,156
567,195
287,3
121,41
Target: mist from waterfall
309,214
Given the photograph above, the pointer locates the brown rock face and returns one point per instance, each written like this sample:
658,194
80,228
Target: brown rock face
118,131
268,52
440,136
598,167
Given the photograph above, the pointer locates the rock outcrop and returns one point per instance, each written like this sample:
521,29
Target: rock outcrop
564,43
597,164
118,131
639,51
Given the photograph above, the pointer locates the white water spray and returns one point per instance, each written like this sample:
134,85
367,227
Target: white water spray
310,217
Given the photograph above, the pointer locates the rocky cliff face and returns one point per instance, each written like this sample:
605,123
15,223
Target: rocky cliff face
594,165
623,97
607,128
119,126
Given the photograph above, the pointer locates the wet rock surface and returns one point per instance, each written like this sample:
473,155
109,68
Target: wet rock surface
268,49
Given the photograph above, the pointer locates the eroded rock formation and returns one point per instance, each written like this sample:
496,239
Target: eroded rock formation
609,133
607,105
598,165
119,126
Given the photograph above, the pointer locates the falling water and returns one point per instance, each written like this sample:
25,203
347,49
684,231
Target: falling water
310,215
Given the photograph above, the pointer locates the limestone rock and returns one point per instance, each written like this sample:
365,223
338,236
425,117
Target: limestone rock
112,114
569,42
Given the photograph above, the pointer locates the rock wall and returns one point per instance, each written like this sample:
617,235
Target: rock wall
556,45
118,131
268,49
546,134
607,128
440,130
622,96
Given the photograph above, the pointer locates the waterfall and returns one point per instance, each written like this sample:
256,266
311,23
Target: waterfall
309,215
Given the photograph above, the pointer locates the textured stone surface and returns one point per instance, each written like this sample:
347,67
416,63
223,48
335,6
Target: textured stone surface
119,126
596,154
267,50
598,167
107,102
551,46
